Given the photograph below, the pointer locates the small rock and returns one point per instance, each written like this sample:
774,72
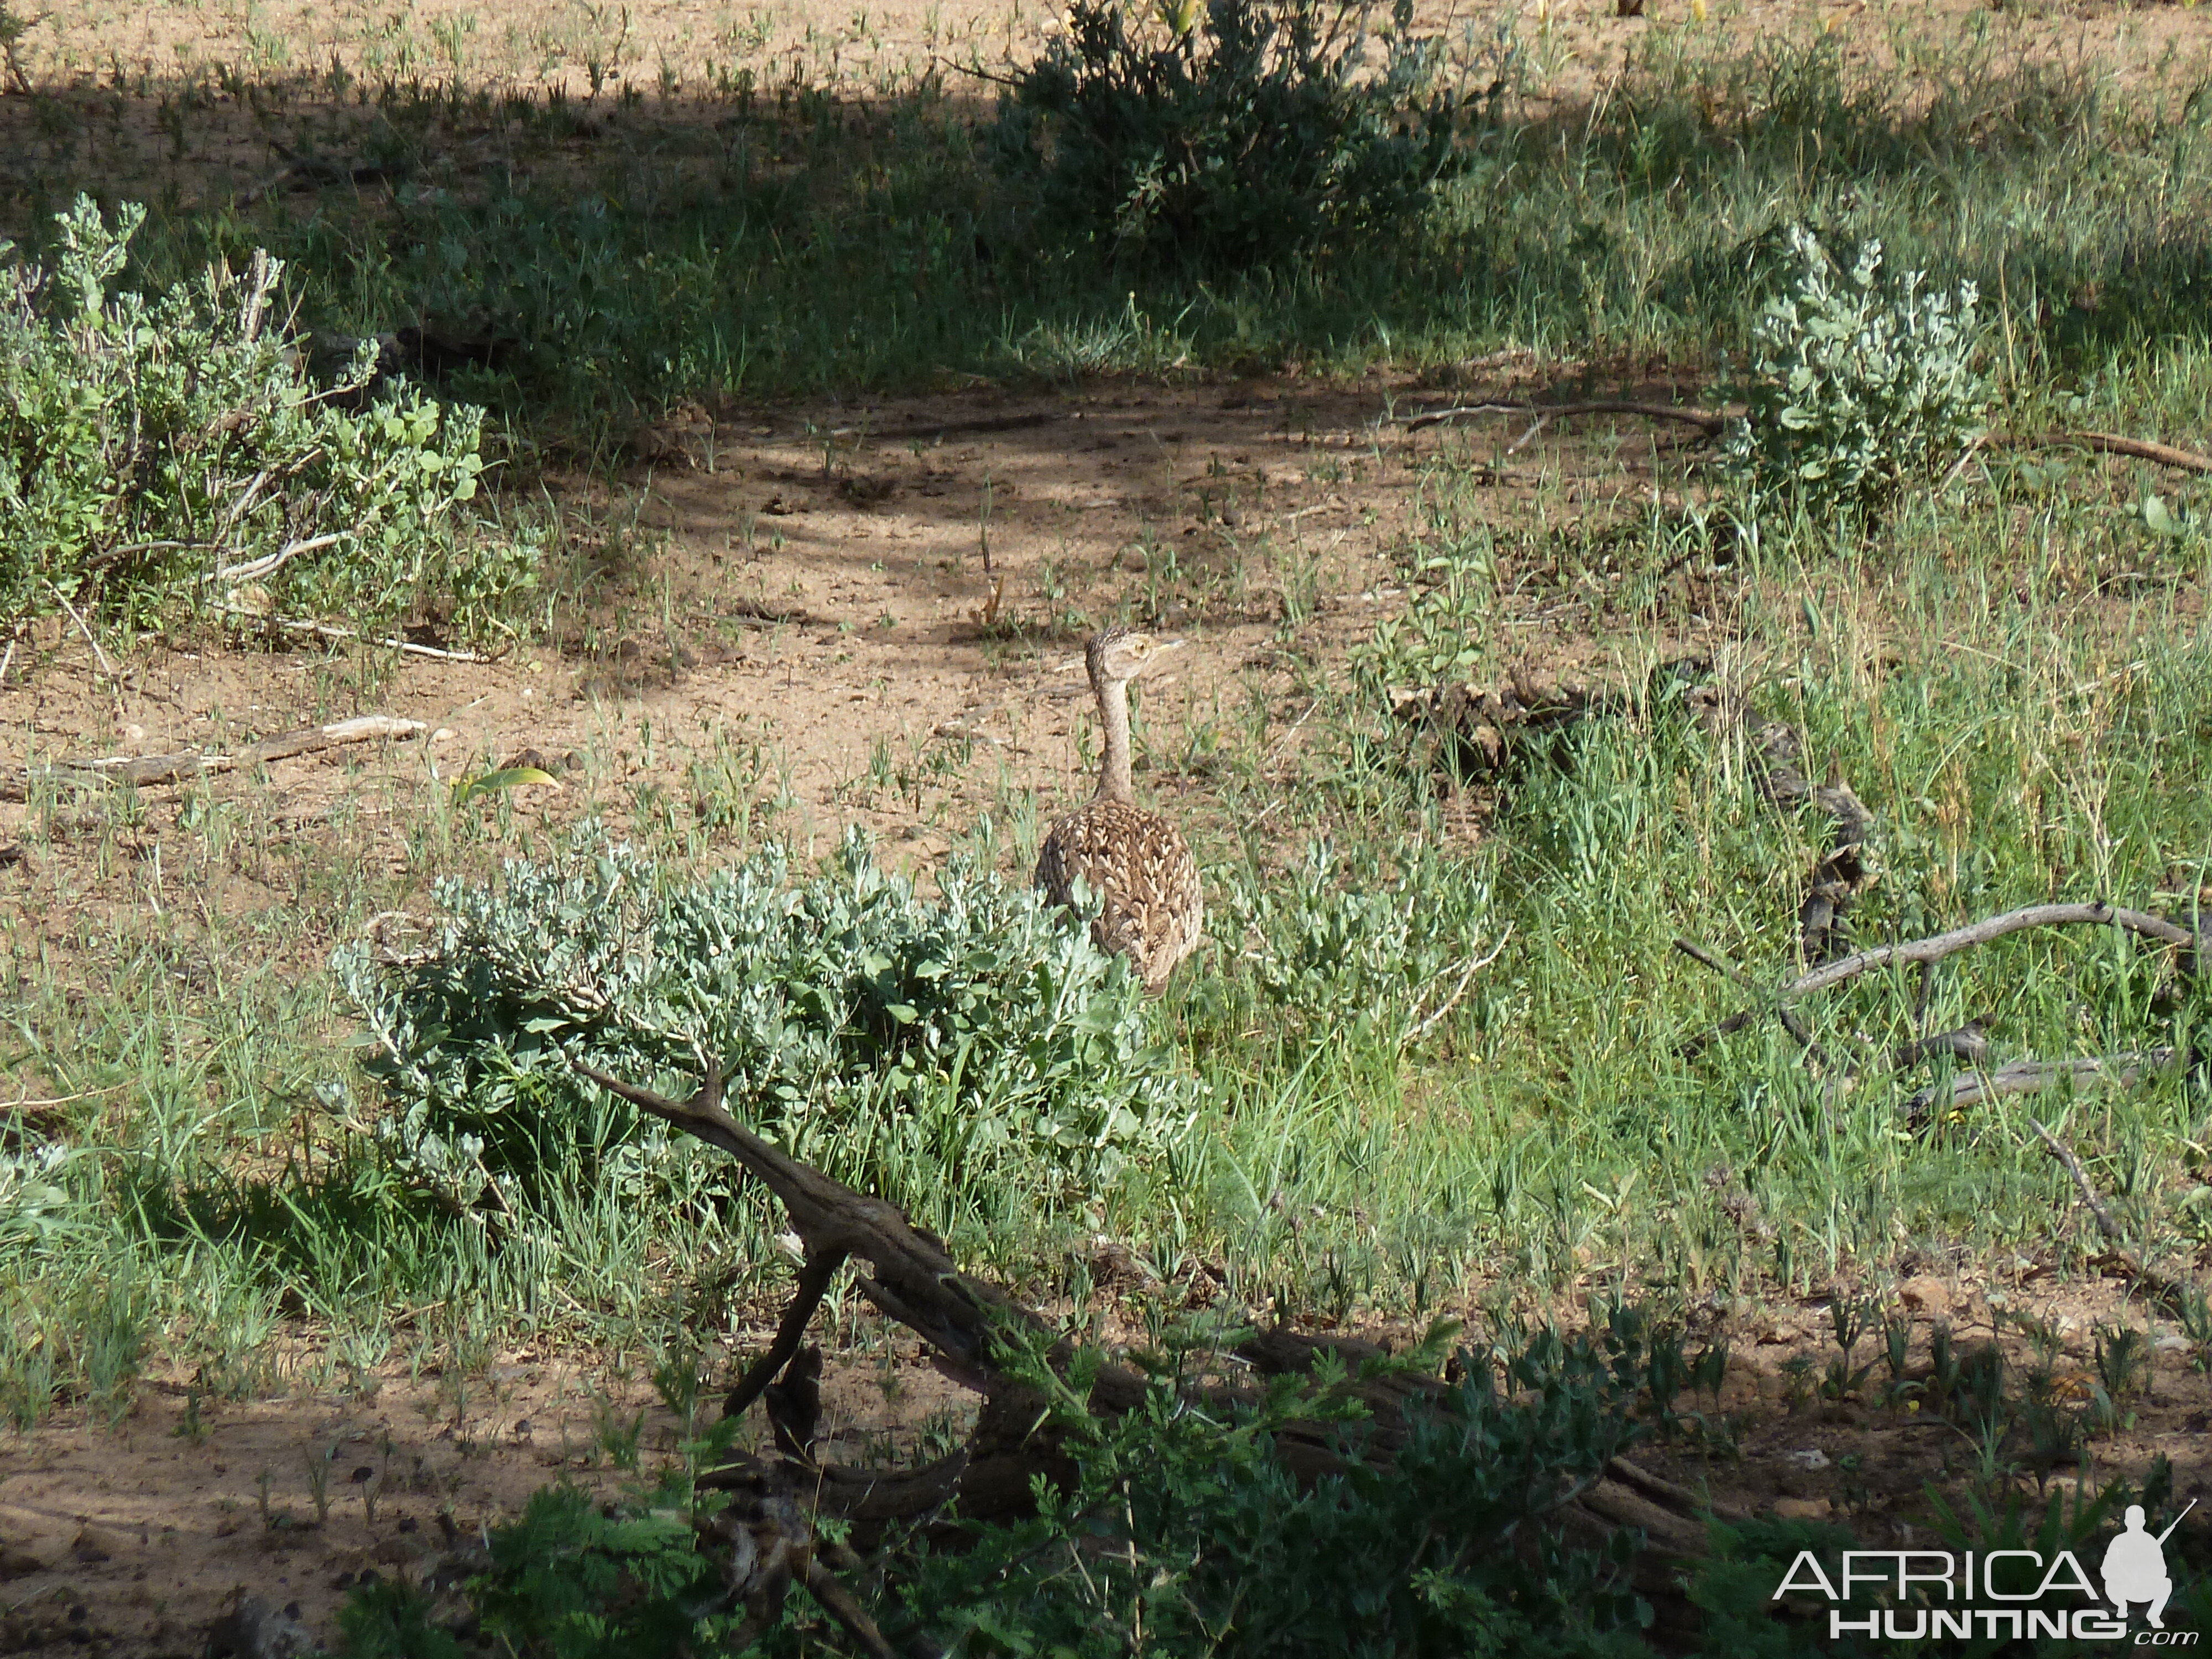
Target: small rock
254,1630
96,1544
2173,1342
1812,1457
1930,1298
1800,1509
404,1551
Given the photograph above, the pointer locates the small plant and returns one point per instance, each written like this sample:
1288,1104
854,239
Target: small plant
319,1482
153,451
1858,388
1231,135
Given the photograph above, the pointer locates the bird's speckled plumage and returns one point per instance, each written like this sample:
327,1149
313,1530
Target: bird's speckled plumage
1136,862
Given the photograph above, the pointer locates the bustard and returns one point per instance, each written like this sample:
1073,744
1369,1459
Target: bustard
1137,862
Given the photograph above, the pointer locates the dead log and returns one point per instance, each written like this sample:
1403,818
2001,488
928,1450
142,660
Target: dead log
2027,1076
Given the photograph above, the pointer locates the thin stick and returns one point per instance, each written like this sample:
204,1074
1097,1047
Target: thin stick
7,661
83,628
269,562
2178,1295
1713,422
2183,460
150,769
1460,990
331,631
27,1105
1792,1021
1995,927
2064,1154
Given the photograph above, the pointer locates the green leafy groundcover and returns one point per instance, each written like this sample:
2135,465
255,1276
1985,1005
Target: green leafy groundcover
909,1046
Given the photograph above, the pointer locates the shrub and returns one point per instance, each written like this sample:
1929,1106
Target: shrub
1858,388
1367,952
177,446
1257,134
917,1049
1188,1532
1182,1531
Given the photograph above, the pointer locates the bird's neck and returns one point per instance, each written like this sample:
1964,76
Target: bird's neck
1114,714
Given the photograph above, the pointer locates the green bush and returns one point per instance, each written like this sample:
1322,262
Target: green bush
1858,388
1365,944
1183,1531
918,1048
1188,1532
1257,135
177,447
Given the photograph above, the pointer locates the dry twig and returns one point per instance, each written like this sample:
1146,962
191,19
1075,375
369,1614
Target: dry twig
2098,914
2176,1294
1713,422
148,770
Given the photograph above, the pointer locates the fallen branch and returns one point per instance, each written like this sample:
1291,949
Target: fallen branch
908,1275
332,631
2027,1076
2182,460
1711,421
145,771
2098,914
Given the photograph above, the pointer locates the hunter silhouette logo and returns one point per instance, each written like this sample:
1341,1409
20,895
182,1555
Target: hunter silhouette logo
2016,1593
2135,1566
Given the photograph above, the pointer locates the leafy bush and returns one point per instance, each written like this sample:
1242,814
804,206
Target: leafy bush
150,449
1858,388
1183,1532
909,1047
1188,1533
1369,949
1257,134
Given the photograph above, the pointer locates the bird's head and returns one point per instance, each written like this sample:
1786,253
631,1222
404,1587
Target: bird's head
1120,654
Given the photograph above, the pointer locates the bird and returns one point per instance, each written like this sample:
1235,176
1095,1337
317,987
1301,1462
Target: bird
1135,861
